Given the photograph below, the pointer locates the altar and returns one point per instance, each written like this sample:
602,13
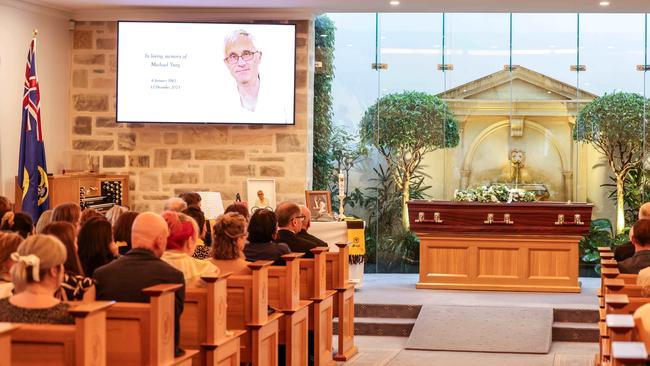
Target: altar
337,232
499,246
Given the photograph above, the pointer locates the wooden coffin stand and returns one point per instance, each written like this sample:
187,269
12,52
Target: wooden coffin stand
499,246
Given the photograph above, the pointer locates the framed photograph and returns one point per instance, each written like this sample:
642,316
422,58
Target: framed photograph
318,202
260,194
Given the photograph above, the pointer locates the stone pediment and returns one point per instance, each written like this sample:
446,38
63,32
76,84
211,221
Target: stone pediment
526,85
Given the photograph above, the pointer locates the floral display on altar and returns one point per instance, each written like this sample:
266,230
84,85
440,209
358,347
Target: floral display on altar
494,193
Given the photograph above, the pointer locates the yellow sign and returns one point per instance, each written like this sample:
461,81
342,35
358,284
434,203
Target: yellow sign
356,237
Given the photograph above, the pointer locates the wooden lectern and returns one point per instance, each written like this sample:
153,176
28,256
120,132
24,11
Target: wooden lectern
499,246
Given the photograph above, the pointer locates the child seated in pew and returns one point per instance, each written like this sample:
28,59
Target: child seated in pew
75,286
261,232
228,240
37,275
181,242
9,243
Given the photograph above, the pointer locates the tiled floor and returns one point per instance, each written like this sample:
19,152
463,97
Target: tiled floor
400,289
389,351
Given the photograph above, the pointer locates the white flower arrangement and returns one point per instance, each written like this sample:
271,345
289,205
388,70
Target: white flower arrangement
494,193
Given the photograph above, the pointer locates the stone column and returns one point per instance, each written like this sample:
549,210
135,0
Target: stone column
568,185
464,178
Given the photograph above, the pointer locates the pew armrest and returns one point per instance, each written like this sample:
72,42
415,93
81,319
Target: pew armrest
85,309
259,264
629,351
611,283
319,250
609,272
290,257
8,327
158,290
214,277
621,321
616,299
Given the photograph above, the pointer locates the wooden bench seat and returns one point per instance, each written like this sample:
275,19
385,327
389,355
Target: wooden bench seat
284,295
203,323
338,280
5,342
248,310
81,344
143,334
313,277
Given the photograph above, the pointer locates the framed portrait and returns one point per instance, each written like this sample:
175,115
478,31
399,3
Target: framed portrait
260,193
318,202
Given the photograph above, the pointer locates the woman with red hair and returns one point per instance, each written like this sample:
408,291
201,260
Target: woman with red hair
181,242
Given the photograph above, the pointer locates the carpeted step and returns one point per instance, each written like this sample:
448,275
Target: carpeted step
502,329
575,332
387,327
575,315
386,311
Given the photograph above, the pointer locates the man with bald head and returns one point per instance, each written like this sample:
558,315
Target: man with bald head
124,278
306,223
290,219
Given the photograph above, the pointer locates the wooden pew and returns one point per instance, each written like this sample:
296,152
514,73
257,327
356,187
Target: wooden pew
143,334
313,279
338,280
633,352
203,323
5,342
284,295
83,343
248,309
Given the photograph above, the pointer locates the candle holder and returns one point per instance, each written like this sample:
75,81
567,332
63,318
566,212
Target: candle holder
341,207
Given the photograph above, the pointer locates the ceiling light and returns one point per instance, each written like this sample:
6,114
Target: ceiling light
604,3
394,3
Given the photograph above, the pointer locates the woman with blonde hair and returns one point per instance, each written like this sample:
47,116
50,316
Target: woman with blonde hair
43,221
181,242
228,241
37,275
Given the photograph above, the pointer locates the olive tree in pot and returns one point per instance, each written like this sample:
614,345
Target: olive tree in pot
404,127
614,124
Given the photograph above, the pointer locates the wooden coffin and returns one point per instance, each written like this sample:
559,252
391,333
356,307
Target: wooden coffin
499,246
547,218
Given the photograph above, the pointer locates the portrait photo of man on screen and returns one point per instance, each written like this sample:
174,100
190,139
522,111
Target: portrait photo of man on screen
243,60
257,99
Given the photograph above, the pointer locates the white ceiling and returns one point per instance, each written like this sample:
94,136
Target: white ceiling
321,6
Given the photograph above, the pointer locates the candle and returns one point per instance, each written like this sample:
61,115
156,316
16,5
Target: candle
341,184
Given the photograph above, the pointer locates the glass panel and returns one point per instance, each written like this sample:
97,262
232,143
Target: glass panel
476,45
611,46
354,90
411,47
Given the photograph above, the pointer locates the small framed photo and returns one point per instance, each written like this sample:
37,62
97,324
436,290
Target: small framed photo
318,202
260,194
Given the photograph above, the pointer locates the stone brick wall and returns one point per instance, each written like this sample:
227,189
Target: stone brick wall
163,160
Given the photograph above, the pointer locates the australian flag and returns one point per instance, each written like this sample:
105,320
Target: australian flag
32,171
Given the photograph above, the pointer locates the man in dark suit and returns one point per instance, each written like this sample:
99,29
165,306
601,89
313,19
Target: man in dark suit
306,223
141,267
290,220
641,241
